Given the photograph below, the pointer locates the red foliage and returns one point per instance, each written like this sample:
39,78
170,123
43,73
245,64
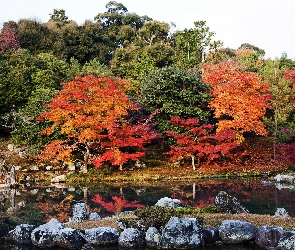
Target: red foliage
91,113
8,40
196,141
290,75
117,205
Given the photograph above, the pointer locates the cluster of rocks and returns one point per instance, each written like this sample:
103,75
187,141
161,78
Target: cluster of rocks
179,233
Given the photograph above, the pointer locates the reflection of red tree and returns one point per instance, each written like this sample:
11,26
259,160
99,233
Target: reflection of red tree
117,205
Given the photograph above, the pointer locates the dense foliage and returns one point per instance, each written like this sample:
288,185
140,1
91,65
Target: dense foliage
99,87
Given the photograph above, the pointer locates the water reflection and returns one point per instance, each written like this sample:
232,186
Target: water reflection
36,205
56,201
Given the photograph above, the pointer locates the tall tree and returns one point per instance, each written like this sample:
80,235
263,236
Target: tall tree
240,99
191,45
173,91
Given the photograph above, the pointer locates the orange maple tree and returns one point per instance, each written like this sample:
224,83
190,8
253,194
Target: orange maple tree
90,114
240,99
199,142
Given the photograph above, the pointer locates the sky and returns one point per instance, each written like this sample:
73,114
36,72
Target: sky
267,24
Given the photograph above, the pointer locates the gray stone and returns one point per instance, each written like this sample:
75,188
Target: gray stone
79,213
94,216
102,236
168,202
287,241
46,234
268,237
131,238
181,234
152,237
34,168
284,178
281,212
228,204
59,179
211,235
21,234
236,231
70,238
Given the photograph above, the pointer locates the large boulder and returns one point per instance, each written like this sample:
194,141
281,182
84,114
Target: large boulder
102,236
70,238
181,234
268,237
282,212
46,234
131,238
152,237
236,232
168,202
287,241
79,213
211,235
21,234
228,204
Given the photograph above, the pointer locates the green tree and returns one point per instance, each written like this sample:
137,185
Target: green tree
191,45
173,91
282,98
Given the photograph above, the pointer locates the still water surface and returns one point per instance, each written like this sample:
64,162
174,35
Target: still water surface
33,205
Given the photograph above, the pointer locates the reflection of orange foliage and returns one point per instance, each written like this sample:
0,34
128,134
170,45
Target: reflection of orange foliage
61,210
117,205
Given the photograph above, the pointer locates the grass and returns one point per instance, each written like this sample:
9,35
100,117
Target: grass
210,220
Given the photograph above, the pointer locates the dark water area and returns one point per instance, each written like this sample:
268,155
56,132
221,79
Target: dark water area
33,205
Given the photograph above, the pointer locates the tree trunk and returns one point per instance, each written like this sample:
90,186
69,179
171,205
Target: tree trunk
193,162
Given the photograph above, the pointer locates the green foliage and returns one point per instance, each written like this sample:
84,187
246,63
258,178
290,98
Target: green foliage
158,216
192,44
173,91
26,128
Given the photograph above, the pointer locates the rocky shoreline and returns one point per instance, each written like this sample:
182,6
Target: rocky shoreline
178,233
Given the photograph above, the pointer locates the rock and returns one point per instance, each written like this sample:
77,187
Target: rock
268,237
21,234
70,238
102,236
34,168
181,234
228,204
211,235
48,168
79,212
46,234
236,232
58,179
152,237
94,216
281,212
168,202
284,178
10,147
131,238
287,241
71,168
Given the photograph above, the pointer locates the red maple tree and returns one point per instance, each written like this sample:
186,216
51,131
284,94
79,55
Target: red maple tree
8,40
199,142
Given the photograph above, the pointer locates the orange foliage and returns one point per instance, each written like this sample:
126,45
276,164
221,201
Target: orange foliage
90,115
240,98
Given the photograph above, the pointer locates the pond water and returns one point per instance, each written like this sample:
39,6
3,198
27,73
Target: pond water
35,205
